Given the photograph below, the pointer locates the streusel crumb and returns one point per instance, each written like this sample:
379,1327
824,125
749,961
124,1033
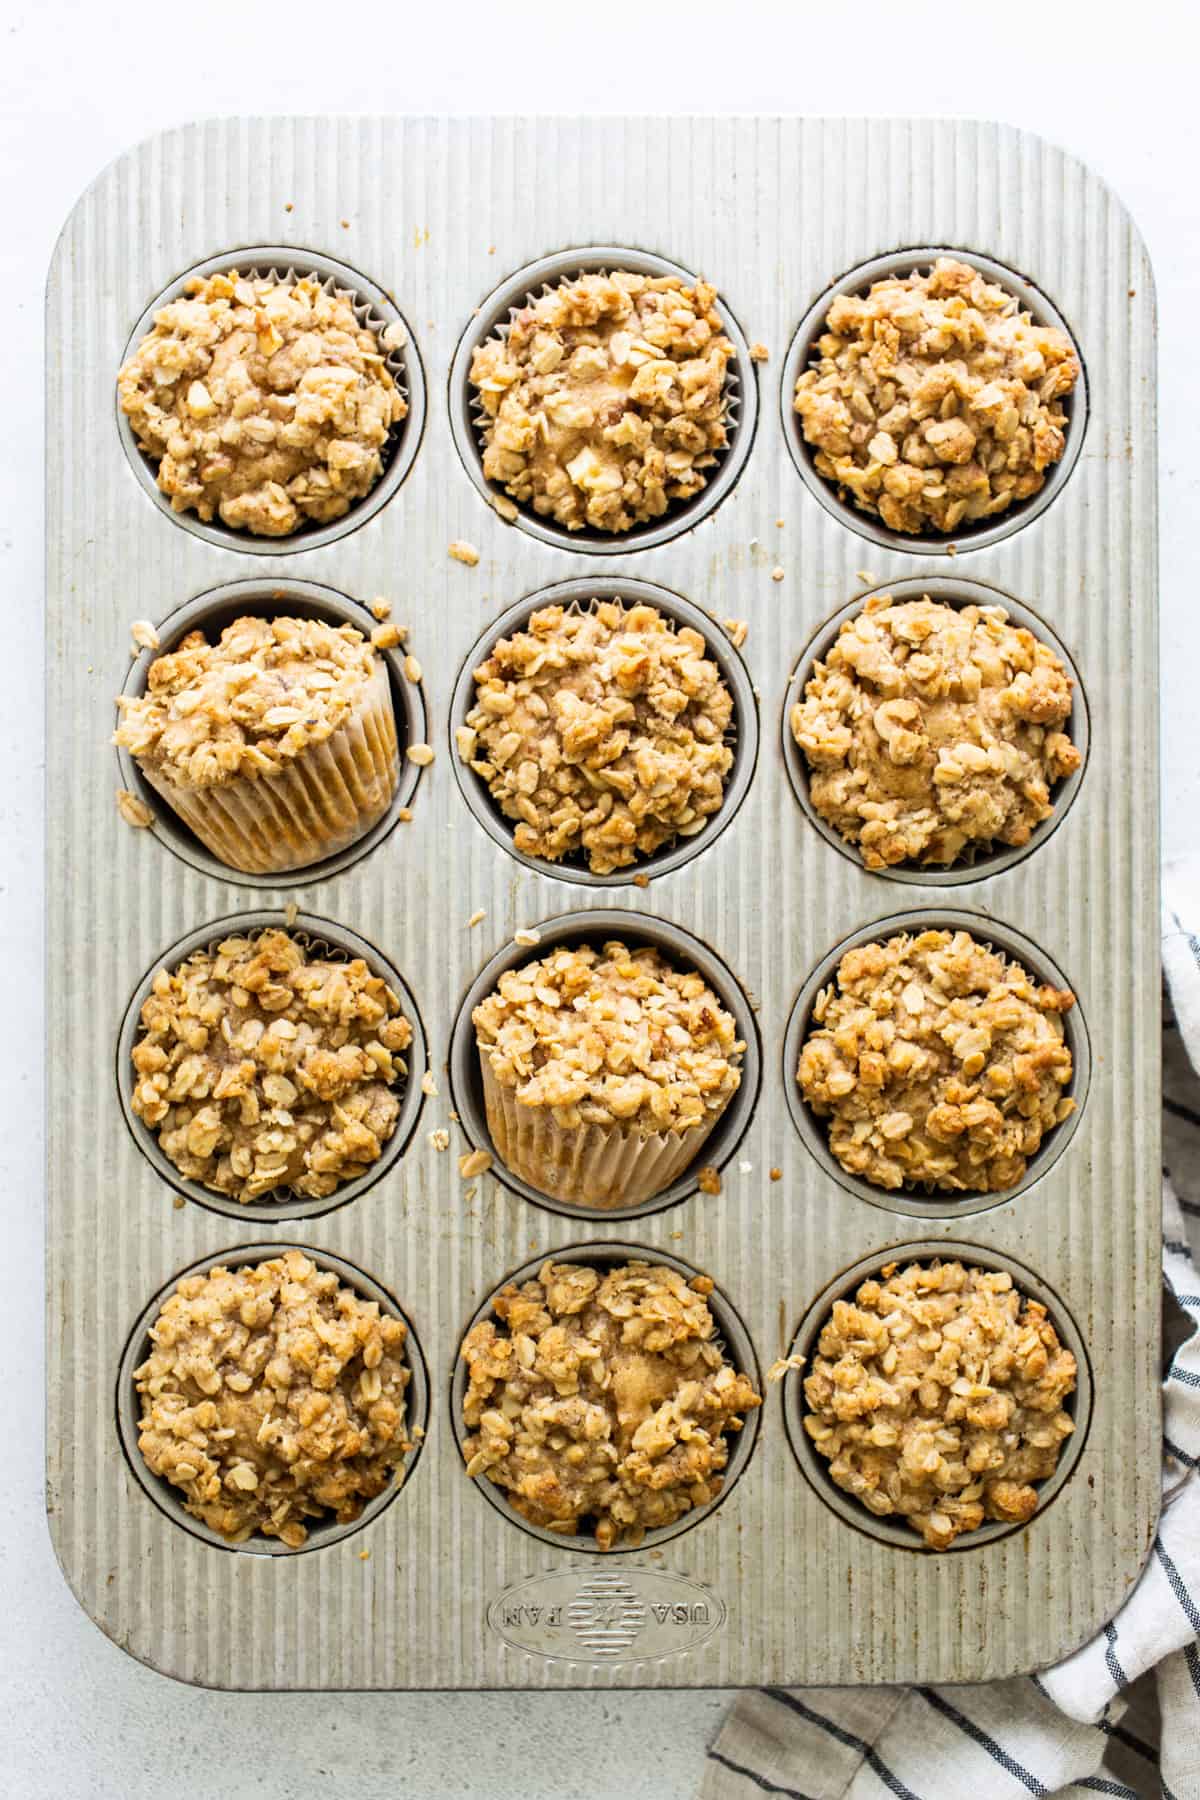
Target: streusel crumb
605,399
938,1062
600,730
248,704
267,1065
601,1402
934,401
933,730
938,1394
273,1396
611,1035
265,403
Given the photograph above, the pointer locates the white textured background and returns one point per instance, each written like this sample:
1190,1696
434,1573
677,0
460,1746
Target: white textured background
77,1718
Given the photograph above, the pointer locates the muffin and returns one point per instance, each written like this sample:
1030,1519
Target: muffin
934,732
276,745
268,1065
933,401
273,1397
604,1071
603,400
602,731
264,400
937,1396
601,1402
938,1062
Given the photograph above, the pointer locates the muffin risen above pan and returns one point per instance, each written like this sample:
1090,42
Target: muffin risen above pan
933,401
264,401
601,1400
605,400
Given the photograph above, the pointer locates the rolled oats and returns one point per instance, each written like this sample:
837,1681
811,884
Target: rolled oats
604,400
134,811
939,1063
602,1402
463,552
264,1065
600,730
264,402
938,1396
934,401
933,730
273,1397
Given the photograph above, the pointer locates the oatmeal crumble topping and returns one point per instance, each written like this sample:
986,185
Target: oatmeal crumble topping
938,1062
605,400
934,401
273,1396
267,1065
600,730
931,730
938,1395
248,704
264,402
600,1402
611,1036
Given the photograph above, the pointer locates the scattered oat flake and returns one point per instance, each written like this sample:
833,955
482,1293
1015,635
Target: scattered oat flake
779,522
428,1085
527,936
363,1555
475,1162
386,637
144,635
404,814
179,1203
709,1180
345,224
641,881
504,506
738,631
421,754
759,353
776,1174
440,1139
381,608
865,575
777,573
780,1367
476,918
134,811
463,552
290,913
951,549
454,1115
289,207
412,668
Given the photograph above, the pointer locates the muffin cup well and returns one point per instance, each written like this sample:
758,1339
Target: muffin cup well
957,593
743,737
889,1530
527,284
735,1342
718,1141
319,934
168,1498
814,1130
869,525
374,309
358,764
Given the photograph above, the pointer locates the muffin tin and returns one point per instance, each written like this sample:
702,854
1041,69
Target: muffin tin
784,1579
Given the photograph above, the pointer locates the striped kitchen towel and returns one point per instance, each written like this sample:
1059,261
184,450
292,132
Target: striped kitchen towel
1122,1715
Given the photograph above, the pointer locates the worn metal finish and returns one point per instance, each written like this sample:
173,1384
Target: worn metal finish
772,1585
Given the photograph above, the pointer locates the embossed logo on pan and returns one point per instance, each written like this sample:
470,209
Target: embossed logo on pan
575,1615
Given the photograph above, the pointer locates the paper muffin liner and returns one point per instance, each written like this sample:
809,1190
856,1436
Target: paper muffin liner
312,808
588,1165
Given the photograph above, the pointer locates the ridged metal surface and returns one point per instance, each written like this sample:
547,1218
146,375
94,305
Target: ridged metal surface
773,211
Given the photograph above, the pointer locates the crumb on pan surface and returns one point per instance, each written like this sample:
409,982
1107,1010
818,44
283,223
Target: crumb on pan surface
933,401
247,704
937,1395
931,731
600,1401
273,1397
265,402
938,1062
600,730
268,1065
611,1036
604,400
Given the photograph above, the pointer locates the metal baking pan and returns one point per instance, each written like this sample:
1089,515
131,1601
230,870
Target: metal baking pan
777,1582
